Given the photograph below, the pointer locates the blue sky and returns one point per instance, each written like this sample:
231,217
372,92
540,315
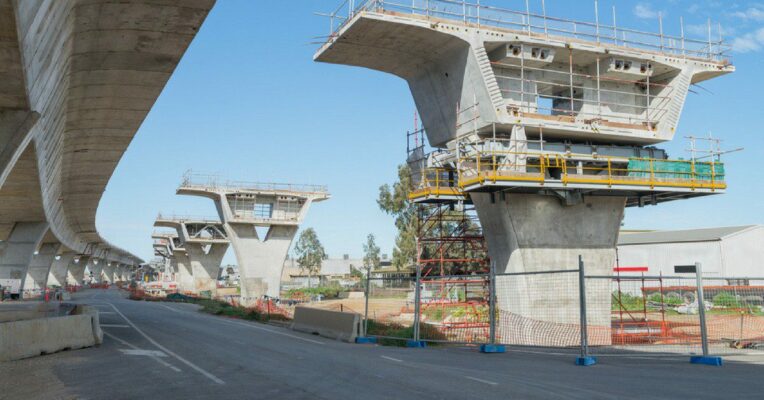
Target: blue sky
248,102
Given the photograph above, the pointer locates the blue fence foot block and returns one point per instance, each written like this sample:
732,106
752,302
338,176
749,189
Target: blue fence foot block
707,360
416,343
492,348
365,340
586,361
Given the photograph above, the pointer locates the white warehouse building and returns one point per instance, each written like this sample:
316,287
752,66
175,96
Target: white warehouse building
736,251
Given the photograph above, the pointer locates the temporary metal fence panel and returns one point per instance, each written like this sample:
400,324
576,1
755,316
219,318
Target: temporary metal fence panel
391,307
661,314
540,309
455,309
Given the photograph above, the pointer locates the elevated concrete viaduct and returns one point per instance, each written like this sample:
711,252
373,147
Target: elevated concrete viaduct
205,243
77,79
260,221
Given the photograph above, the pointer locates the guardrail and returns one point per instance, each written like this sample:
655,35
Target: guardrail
203,181
533,23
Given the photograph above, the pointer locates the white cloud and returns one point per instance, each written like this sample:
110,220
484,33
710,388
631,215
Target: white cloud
645,11
753,13
752,41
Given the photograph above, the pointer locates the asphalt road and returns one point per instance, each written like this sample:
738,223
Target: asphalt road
172,351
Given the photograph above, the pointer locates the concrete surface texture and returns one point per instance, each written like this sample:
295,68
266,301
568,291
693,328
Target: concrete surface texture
78,78
39,267
330,324
44,335
176,352
532,233
198,253
59,269
76,273
260,221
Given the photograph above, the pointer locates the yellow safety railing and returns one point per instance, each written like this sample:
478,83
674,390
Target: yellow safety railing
495,166
436,182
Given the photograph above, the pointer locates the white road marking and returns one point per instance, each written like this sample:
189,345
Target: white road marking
114,326
159,346
171,309
105,312
142,352
159,360
391,359
253,326
481,380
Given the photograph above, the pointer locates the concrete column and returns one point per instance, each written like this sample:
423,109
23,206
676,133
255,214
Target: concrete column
184,276
76,274
37,274
95,267
59,269
18,250
529,233
205,266
261,260
108,272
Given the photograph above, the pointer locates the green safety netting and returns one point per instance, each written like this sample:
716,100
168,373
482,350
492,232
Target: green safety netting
675,169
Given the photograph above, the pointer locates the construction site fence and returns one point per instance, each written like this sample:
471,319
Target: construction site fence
608,314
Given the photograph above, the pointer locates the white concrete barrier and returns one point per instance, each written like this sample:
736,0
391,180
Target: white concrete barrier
332,324
33,337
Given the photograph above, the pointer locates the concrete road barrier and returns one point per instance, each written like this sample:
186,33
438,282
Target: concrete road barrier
33,337
331,324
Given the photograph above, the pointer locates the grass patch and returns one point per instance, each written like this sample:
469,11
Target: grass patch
395,330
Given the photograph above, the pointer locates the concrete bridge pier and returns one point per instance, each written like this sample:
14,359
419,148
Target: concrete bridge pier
37,274
533,233
18,251
261,259
260,221
184,276
205,265
76,273
108,272
59,269
95,267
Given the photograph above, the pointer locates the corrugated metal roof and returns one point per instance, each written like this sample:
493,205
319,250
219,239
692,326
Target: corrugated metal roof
687,235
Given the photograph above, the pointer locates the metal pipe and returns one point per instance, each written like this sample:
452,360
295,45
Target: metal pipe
701,308
582,303
597,19
492,302
366,307
417,301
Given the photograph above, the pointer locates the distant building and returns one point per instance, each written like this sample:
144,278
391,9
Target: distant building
332,270
736,251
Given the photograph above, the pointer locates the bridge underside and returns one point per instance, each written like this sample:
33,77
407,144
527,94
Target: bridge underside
77,79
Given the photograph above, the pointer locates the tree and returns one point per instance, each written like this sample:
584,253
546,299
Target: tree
395,201
309,252
371,254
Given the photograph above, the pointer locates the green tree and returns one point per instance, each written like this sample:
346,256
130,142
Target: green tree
309,252
371,254
395,201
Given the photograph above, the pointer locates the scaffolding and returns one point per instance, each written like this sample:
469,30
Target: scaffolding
452,259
